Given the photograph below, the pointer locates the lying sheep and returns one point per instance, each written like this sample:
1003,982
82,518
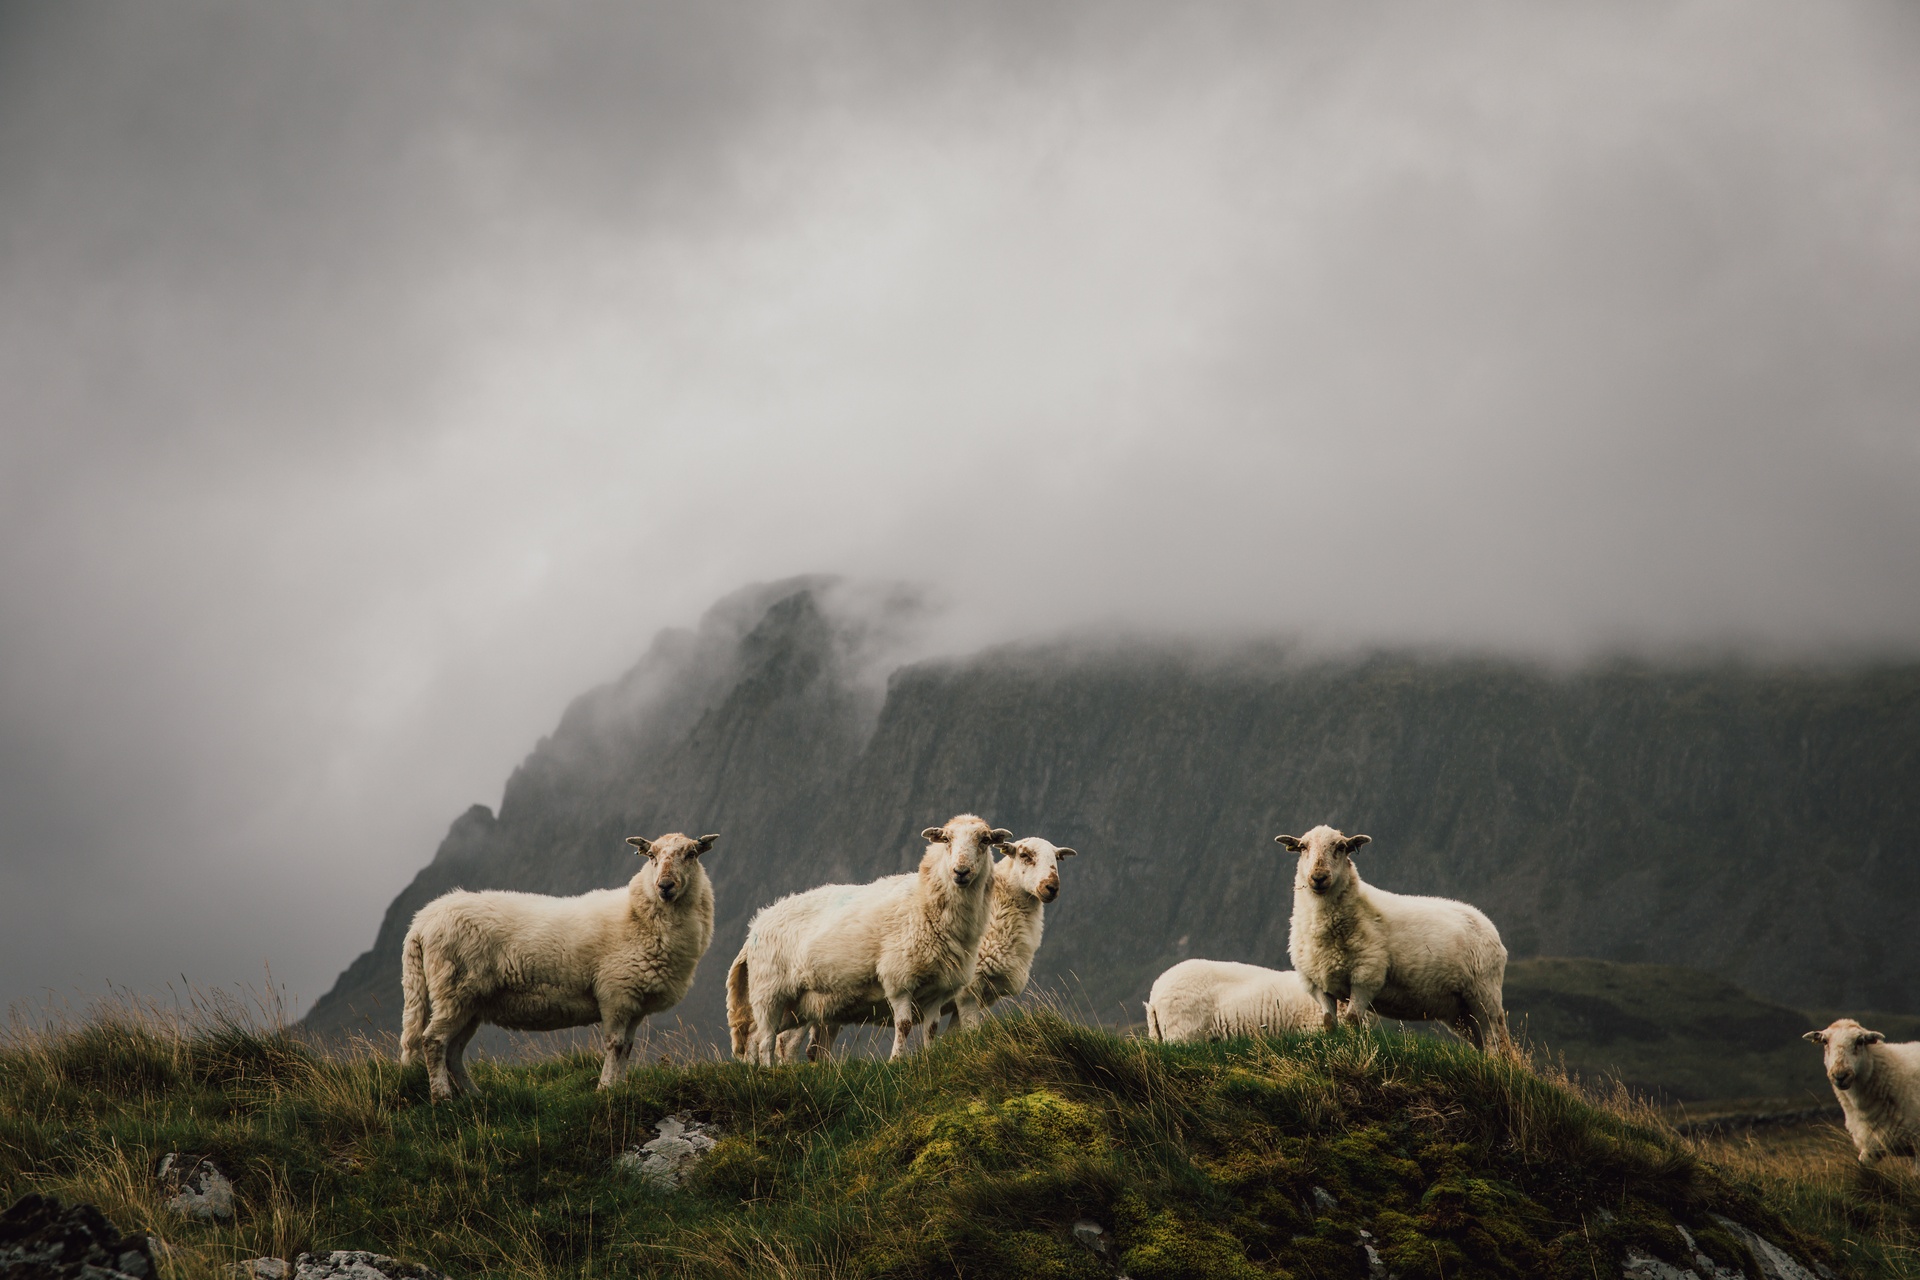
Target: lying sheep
1878,1085
536,963
828,956
1221,999
1023,883
1393,954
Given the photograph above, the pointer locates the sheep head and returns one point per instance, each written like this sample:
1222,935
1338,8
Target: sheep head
674,858
1845,1043
1326,859
1033,864
963,849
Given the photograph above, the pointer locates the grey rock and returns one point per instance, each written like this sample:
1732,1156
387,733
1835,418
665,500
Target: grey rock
1704,1266
1774,1262
40,1239
1324,1201
1093,1236
357,1264
1639,1266
199,1190
665,1160
262,1269
1376,1265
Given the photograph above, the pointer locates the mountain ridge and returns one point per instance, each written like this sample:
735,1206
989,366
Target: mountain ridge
1759,823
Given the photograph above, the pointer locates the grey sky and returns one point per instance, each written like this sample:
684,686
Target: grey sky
377,378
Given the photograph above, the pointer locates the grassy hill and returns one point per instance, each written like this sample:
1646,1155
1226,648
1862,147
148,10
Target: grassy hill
975,1158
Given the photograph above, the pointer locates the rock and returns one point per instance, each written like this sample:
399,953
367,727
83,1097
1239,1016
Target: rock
42,1240
1638,1266
665,1160
262,1269
1093,1236
357,1264
1324,1200
199,1189
1376,1265
1774,1262
1703,1266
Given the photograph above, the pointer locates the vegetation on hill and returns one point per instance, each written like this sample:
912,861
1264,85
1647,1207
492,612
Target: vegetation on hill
975,1158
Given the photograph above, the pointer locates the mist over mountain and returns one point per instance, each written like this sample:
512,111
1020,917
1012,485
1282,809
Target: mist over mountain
1760,822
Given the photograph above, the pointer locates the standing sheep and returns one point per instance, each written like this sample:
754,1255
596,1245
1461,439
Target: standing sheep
1222,999
1023,883
827,956
1394,954
531,962
1878,1085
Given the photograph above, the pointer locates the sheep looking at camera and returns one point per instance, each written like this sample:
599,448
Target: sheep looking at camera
1393,954
828,956
1222,999
531,962
1878,1085
1024,882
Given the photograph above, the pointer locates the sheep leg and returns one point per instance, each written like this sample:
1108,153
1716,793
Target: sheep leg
1357,1002
456,1055
1329,1010
902,1027
442,1084
619,1033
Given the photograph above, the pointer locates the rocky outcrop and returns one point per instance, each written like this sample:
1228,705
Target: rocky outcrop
670,1157
40,1239
195,1187
1760,824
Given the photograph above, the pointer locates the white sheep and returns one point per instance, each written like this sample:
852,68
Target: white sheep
531,962
828,956
1023,883
1878,1085
1221,999
1389,953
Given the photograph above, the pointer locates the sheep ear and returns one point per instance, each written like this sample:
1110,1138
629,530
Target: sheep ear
1001,835
934,835
1869,1037
1295,843
705,843
644,846
1818,1037
1065,853
1354,842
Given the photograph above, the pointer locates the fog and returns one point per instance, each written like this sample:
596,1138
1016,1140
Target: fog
377,379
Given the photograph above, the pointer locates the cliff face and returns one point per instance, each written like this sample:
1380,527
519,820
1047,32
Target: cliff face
1760,824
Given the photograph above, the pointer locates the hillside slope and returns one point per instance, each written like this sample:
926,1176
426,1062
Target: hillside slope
1002,1151
1760,824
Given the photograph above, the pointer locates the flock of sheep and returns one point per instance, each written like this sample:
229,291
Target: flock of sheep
959,935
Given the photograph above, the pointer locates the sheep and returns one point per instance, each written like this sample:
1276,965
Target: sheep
1394,954
829,955
1878,1085
1023,883
1221,999
532,962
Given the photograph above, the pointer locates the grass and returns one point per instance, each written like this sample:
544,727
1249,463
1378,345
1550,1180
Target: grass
972,1159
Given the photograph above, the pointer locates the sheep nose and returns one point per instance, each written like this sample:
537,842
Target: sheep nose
1319,883
1050,888
1842,1079
667,888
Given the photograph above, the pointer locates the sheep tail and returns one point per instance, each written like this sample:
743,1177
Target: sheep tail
413,991
1153,1023
739,1012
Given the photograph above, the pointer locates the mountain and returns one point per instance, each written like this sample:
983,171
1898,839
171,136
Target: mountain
1757,822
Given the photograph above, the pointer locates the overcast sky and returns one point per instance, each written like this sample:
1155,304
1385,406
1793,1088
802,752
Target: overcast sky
378,377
